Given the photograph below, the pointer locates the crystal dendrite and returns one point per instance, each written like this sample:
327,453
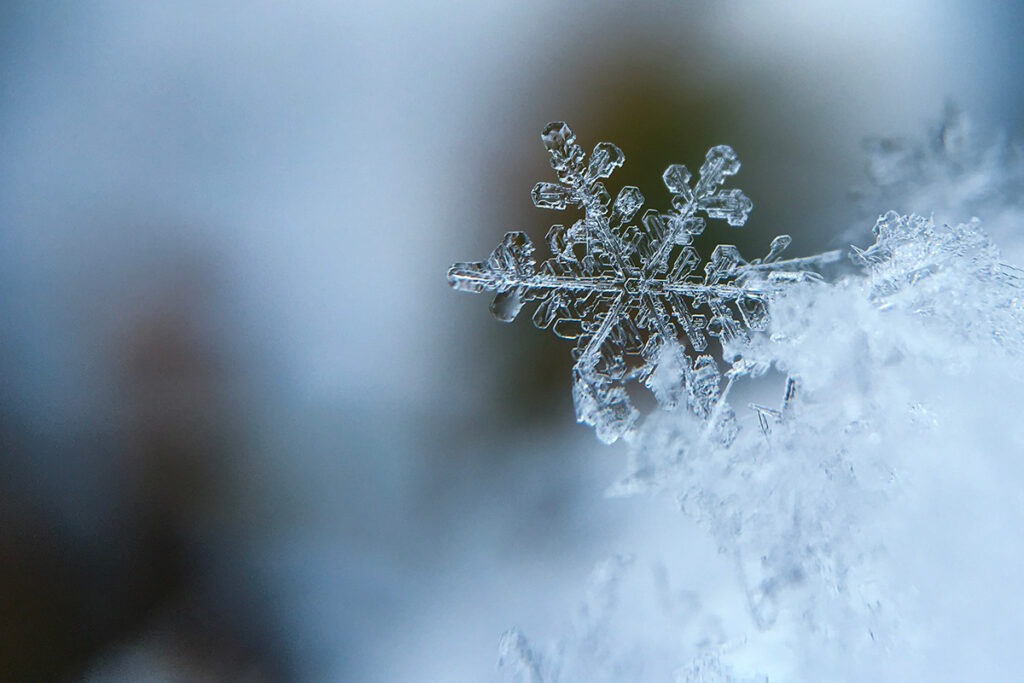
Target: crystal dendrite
629,291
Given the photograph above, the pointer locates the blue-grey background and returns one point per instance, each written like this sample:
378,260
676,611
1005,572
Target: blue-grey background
247,431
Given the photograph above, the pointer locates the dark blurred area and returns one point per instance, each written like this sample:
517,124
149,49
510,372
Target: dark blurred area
248,434
115,583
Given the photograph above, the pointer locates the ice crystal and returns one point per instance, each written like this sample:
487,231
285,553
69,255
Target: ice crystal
629,290
947,273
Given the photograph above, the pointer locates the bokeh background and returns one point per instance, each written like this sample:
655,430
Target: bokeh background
247,431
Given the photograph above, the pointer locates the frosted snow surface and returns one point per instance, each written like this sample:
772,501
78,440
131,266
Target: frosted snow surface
868,523
628,288
867,519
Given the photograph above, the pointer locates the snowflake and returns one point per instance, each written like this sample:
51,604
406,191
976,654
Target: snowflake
628,291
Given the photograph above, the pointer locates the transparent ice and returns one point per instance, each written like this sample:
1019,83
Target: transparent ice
629,289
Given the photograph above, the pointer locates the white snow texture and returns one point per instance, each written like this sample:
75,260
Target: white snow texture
872,518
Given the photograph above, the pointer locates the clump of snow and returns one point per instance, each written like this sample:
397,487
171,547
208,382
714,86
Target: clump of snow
871,519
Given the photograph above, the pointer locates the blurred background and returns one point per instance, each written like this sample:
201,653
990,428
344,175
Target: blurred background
247,433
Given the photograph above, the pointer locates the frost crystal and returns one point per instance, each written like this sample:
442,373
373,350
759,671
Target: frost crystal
629,291
953,274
